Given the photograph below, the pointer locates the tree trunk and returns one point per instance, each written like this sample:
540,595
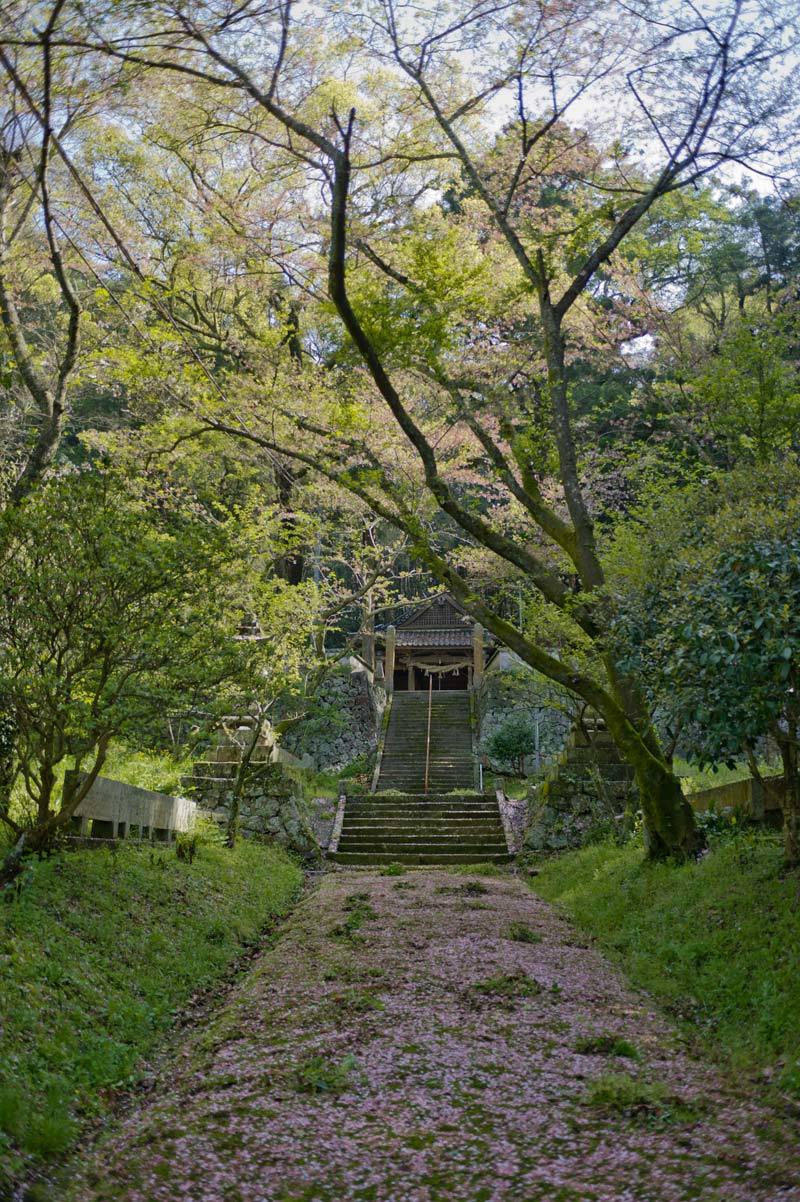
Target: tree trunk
670,829
241,775
8,733
40,836
790,799
291,565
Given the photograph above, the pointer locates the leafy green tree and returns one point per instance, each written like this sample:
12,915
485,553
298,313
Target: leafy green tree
513,741
706,580
118,607
42,279
749,392
730,662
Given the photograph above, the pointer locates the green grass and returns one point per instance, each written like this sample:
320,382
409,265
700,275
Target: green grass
98,954
694,779
156,770
520,932
517,787
358,911
311,784
717,941
508,985
479,869
643,1101
606,1044
319,1074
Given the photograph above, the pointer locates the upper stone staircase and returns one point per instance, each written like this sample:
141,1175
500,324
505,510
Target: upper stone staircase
401,822
451,765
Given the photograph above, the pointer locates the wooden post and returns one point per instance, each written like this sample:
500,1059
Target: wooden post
428,740
477,655
391,638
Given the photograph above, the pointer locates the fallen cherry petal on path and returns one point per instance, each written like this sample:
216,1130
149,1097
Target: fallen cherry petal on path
420,1055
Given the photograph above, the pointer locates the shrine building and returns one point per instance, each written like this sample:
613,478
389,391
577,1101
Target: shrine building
434,645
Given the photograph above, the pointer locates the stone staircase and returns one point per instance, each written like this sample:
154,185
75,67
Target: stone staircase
402,824
452,766
418,829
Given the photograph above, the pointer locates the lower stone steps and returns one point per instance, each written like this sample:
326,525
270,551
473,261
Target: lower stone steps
473,850
411,829
443,822
417,821
366,858
410,783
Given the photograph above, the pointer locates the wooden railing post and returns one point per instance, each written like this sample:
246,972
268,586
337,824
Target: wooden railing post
391,639
428,739
477,655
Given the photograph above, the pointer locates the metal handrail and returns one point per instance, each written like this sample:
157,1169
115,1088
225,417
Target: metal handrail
428,739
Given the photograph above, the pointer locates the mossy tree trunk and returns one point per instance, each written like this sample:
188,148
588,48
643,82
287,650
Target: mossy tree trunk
670,829
790,795
242,771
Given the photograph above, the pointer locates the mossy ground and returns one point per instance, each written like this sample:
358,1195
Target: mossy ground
717,941
97,956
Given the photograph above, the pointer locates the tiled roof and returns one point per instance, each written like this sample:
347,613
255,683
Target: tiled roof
435,638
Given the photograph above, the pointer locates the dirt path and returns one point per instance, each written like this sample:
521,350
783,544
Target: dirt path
397,1046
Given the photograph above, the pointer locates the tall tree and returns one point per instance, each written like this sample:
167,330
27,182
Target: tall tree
398,109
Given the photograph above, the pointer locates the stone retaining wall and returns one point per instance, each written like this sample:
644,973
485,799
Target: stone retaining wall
589,792
343,726
510,687
270,805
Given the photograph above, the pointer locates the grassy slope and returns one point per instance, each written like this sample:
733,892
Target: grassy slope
695,779
718,941
96,956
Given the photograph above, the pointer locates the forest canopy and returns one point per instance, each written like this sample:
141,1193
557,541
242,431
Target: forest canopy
502,297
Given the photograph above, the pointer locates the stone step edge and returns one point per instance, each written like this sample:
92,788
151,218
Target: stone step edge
367,858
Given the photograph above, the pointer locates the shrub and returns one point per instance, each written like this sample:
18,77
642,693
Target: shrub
513,741
204,833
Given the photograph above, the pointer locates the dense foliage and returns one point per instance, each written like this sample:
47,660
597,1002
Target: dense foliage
412,311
